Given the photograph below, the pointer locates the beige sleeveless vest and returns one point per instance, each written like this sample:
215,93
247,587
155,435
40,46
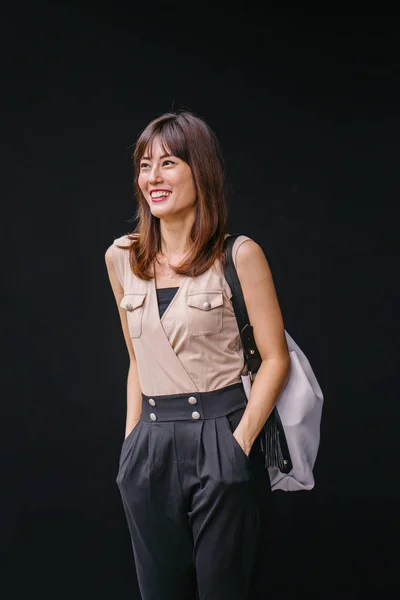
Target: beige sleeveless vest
196,345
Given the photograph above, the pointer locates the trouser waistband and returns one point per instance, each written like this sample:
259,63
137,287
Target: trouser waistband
193,406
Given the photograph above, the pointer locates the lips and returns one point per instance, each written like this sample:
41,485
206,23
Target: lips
160,199
159,195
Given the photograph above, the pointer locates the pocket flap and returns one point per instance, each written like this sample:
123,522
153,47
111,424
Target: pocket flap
132,301
206,300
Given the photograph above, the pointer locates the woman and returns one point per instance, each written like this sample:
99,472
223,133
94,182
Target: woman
191,474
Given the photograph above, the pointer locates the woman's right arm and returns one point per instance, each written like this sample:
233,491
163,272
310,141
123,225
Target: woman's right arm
134,393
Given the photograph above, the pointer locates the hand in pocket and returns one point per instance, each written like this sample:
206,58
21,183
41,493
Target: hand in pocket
240,441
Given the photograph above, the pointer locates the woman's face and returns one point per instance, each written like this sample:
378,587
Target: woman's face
167,184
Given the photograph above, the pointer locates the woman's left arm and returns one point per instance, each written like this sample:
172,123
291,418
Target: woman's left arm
266,319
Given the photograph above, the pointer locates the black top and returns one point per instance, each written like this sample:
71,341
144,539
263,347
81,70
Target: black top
164,297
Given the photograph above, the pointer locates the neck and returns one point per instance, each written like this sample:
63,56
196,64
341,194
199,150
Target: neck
175,239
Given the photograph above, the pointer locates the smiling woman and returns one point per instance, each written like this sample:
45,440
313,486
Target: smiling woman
178,153
191,475
177,197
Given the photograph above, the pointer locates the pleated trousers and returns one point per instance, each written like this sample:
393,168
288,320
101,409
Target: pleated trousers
196,505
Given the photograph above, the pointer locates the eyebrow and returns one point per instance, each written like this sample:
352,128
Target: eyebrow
161,157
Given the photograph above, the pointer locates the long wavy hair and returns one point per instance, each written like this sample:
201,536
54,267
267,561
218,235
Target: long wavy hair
188,137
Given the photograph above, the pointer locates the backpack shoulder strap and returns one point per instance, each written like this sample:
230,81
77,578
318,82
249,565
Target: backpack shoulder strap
251,353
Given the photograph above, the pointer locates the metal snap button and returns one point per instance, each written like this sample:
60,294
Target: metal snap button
152,402
206,306
153,416
192,400
129,306
195,415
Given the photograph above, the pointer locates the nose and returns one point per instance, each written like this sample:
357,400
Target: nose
155,174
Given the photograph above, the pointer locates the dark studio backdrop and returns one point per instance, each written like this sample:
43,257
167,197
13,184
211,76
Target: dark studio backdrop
306,108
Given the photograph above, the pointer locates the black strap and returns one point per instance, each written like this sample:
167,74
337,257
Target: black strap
251,353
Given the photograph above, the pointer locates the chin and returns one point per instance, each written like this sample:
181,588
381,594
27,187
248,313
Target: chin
159,212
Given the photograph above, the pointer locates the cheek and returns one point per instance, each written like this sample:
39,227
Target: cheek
142,182
192,188
188,186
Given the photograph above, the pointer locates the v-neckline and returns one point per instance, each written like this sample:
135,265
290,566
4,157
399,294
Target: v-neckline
178,291
164,343
177,294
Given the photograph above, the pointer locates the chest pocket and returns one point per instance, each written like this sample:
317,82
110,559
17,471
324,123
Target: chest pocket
134,306
205,312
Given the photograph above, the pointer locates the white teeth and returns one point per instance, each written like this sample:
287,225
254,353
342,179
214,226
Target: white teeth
159,194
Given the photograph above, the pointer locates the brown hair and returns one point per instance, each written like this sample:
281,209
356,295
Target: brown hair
188,137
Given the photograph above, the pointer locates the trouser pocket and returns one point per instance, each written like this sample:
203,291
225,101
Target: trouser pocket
233,420
131,446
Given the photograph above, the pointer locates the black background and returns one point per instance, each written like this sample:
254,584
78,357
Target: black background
306,107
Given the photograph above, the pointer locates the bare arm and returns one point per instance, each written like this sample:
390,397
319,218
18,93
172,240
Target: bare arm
266,318
134,393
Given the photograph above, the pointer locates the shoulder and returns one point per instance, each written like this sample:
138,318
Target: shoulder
117,257
251,260
118,247
245,250
248,250
125,241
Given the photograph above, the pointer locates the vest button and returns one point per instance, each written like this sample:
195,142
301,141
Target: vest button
153,416
129,307
152,402
206,306
195,415
192,400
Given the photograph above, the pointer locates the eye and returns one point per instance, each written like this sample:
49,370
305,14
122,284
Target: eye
171,162
144,165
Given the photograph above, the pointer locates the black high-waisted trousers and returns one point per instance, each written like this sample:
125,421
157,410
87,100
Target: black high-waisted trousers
195,503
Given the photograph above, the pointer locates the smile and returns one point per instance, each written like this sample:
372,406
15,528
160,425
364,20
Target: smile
159,195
